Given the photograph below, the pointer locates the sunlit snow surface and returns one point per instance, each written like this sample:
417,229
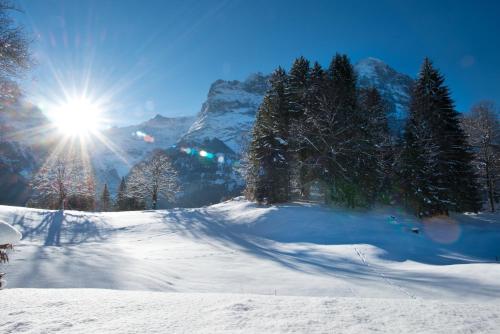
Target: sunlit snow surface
8,234
260,268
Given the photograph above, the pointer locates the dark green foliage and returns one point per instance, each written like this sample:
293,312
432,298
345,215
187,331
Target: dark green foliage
121,197
437,173
81,202
126,202
296,93
331,140
105,199
317,128
268,177
376,146
347,155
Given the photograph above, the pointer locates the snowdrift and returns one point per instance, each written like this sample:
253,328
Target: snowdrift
8,234
304,267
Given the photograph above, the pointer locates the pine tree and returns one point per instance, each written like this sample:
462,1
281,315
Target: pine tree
437,167
311,135
342,101
121,199
268,179
259,175
105,198
296,92
377,146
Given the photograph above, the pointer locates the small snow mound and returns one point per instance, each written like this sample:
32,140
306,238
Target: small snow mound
8,234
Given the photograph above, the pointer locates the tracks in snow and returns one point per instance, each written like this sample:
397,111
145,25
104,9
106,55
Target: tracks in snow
381,275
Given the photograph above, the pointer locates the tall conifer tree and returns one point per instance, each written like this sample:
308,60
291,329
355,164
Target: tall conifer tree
105,198
296,96
437,167
269,153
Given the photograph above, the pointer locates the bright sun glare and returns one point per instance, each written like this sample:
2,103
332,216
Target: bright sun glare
77,116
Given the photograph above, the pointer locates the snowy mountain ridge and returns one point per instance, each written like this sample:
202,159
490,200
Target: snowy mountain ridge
231,106
131,144
229,111
394,87
228,115
136,141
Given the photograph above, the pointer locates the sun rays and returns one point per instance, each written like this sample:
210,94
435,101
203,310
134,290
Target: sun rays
78,116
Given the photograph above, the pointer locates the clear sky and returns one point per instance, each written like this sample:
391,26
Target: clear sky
149,57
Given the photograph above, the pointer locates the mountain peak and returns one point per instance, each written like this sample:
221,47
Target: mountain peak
370,67
394,87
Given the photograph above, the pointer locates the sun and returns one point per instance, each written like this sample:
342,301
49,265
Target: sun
77,116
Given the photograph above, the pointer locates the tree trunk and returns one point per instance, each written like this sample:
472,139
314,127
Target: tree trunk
490,189
155,199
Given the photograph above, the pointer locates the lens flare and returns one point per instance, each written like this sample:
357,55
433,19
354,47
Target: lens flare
442,229
216,157
144,136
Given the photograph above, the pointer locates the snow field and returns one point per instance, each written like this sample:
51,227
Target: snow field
240,267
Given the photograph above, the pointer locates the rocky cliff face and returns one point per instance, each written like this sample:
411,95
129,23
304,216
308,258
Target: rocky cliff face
231,106
229,112
394,87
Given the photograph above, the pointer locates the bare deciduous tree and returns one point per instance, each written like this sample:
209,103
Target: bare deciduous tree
483,128
153,178
63,182
14,51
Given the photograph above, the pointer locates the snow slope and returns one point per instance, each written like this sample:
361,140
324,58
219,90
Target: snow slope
330,269
111,311
8,234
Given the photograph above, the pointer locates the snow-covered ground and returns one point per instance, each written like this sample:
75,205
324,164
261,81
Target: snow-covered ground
240,267
113,311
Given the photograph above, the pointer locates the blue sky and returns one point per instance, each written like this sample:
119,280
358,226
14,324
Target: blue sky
149,57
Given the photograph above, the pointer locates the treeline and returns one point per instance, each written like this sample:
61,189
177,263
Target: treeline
68,182
317,131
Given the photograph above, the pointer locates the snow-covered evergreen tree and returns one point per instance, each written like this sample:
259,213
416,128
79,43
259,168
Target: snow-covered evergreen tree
377,146
268,179
437,170
121,197
310,138
296,96
105,199
350,123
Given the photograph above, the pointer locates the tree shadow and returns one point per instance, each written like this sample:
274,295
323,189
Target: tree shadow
266,236
57,228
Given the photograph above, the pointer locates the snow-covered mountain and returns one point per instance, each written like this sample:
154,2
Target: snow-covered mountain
226,118
123,147
231,106
394,87
229,111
